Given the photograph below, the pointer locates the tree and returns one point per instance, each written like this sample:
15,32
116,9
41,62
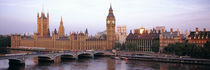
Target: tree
207,49
155,46
193,50
5,41
207,45
123,46
131,46
117,45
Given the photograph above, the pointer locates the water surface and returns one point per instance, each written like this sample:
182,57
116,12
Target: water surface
104,63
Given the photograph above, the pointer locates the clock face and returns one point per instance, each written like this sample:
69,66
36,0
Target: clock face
108,21
113,22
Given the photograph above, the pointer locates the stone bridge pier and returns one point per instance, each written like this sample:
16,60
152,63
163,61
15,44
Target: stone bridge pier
53,57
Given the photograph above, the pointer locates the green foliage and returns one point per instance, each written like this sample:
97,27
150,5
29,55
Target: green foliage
123,47
5,41
155,46
207,49
193,50
117,45
131,46
207,45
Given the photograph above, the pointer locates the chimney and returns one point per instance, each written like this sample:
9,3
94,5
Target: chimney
196,29
178,32
204,30
171,30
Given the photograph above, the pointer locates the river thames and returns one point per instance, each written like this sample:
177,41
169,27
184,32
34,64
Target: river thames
103,63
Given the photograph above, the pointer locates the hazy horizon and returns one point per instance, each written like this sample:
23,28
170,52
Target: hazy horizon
19,16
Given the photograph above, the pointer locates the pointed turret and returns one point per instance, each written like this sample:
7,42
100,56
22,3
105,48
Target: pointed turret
37,14
110,12
61,22
43,24
47,14
86,31
131,31
48,32
110,9
61,28
55,31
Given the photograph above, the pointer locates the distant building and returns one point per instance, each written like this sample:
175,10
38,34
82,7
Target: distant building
58,40
43,25
101,34
171,37
121,34
139,31
199,37
143,39
160,29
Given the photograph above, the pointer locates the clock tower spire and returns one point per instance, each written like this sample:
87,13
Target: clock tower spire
110,29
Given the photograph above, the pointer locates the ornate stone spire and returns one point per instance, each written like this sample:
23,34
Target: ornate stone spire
110,12
86,31
110,9
61,22
55,31
61,28
43,7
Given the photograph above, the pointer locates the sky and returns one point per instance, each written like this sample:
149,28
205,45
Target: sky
19,16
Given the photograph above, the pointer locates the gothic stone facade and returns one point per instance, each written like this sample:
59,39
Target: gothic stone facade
199,37
58,40
171,37
143,41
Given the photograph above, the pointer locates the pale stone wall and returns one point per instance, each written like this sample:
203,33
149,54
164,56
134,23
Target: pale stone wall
76,41
29,43
96,45
50,43
63,44
143,45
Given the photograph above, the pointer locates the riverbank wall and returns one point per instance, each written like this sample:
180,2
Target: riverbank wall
169,60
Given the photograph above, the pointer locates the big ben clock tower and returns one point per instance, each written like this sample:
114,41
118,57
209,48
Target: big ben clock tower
110,29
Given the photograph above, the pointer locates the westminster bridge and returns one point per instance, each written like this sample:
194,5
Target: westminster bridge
49,56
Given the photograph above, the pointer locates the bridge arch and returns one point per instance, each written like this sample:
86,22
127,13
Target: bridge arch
98,54
14,62
45,59
68,56
85,55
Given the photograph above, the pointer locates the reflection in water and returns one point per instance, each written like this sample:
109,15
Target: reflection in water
16,67
100,64
110,64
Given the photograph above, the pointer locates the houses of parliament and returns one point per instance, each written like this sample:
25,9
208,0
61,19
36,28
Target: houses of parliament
58,40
